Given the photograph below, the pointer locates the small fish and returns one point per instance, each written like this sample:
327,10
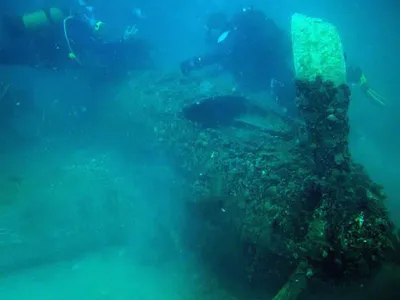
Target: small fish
138,13
223,36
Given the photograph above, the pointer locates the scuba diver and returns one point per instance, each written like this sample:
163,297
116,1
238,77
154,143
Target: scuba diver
56,38
254,50
258,54
356,76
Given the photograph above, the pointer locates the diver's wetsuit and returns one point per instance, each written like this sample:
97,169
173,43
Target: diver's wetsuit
47,48
256,52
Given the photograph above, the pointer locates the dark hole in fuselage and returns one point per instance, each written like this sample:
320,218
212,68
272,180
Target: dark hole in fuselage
216,111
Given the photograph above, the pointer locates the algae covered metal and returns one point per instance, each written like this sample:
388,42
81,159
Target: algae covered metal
317,50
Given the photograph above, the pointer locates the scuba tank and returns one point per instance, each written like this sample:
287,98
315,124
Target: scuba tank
33,21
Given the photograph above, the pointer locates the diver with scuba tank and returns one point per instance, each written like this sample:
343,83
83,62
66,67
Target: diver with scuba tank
56,37
257,53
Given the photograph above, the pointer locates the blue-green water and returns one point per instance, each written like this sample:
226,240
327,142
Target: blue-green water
90,208
98,275
82,224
